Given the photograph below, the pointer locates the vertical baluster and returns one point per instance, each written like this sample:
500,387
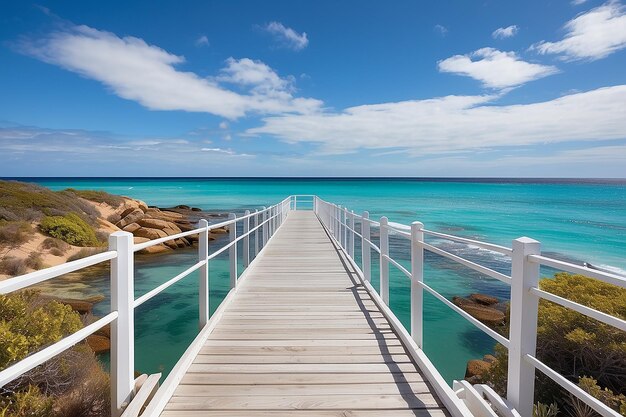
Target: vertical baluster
256,233
232,251
351,234
417,276
203,277
246,239
264,227
384,262
122,328
295,202
523,325
366,264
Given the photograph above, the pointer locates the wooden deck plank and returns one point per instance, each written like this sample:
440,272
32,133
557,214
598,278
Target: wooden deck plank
302,338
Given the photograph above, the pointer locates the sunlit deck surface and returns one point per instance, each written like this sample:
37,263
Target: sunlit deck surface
302,337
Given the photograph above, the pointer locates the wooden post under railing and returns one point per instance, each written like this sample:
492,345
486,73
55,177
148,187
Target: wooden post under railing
384,263
232,251
122,328
246,239
417,277
203,277
523,325
366,264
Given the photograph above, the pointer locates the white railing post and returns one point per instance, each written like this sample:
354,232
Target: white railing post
203,277
384,262
295,202
246,239
523,325
232,251
264,227
256,233
315,204
417,277
366,264
122,328
351,236
340,216
344,238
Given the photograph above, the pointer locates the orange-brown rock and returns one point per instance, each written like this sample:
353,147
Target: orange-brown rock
484,299
131,228
489,358
98,343
476,367
220,230
131,217
105,331
485,314
153,223
155,249
150,233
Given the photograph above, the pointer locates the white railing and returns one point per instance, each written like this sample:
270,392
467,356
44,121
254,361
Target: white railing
260,226
526,259
257,228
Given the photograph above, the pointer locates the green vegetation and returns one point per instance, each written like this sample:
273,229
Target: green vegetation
582,349
57,388
98,196
70,229
12,266
14,233
85,252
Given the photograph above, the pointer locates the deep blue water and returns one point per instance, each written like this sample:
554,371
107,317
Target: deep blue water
577,220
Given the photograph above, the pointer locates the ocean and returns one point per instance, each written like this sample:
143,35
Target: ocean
575,220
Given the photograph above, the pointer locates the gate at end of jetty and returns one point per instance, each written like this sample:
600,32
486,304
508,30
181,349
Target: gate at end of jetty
303,332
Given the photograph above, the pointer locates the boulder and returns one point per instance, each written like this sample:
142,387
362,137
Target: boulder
79,306
137,240
155,249
98,343
127,210
220,230
484,299
106,226
485,314
476,367
131,217
132,228
153,223
489,358
149,233
105,331
142,206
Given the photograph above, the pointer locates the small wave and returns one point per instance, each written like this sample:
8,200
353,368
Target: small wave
613,269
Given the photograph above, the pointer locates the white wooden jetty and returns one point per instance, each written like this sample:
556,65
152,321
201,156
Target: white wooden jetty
302,331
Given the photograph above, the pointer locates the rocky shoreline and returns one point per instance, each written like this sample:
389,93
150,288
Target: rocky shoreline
490,311
150,222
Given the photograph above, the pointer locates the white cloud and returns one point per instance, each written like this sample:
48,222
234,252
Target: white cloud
202,41
591,35
223,124
440,29
506,32
287,37
457,123
223,151
147,74
494,68
578,2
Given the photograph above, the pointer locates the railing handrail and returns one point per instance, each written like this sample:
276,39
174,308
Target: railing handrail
525,292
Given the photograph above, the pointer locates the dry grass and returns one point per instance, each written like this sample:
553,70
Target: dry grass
12,266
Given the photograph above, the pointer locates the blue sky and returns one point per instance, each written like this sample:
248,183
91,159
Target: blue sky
313,88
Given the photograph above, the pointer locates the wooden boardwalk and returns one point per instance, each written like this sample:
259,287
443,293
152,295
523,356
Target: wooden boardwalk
302,338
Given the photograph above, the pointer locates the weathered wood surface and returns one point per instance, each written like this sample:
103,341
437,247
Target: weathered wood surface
302,338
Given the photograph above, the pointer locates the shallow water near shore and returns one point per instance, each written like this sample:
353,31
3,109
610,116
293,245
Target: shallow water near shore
574,220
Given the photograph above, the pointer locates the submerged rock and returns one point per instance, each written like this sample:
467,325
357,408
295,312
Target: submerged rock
488,315
484,299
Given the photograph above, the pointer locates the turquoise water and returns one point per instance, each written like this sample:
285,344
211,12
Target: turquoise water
574,220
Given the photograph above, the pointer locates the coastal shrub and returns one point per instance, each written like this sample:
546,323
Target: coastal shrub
71,384
579,409
57,252
29,202
12,266
15,233
34,261
28,324
28,403
544,410
69,228
54,243
98,196
572,344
